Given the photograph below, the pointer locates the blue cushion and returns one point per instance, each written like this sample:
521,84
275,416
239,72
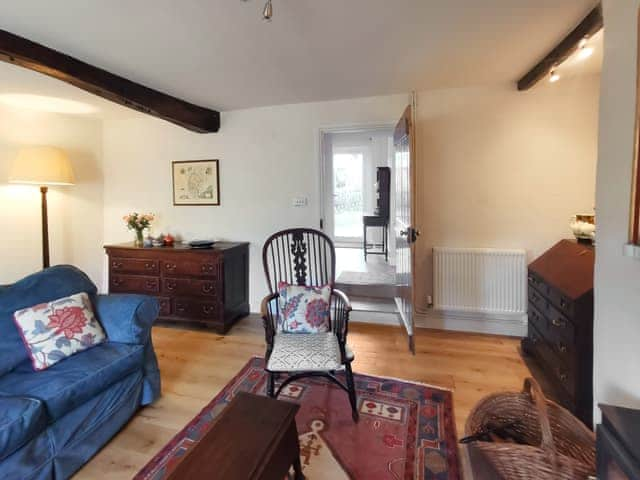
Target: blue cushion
45,286
75,380
20,420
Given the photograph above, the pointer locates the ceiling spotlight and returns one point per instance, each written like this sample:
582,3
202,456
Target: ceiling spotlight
554,76
267,12
584,51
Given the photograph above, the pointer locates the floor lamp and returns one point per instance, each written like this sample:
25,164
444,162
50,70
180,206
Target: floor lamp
43,166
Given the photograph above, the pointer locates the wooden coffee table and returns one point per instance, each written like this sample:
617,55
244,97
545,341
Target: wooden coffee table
254,438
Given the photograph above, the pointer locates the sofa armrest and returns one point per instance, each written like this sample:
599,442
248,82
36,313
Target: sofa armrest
127,318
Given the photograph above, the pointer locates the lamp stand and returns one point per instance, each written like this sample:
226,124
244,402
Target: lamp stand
45,228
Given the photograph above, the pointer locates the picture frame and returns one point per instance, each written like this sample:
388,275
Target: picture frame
196,182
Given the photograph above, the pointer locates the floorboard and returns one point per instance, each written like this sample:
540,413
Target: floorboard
196,364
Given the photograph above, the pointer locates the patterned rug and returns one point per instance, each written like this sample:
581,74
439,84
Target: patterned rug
406,430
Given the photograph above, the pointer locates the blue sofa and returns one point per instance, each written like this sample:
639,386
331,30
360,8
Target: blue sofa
53,421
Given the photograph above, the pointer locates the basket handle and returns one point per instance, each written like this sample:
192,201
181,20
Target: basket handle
532,388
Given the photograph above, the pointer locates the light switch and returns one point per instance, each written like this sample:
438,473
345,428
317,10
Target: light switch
300,201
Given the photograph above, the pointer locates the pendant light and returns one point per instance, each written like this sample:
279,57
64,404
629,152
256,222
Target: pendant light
267,12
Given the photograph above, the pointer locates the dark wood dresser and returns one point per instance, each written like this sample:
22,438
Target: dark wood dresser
560,332
208,286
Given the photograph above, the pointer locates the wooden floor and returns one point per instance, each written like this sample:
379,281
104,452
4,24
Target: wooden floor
196,364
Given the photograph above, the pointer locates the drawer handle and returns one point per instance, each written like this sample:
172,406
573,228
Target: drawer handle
206,268
171,285
563,376
207,309
563,303
117,265
207,288
151,284
117,282
170,266
180,308
562,347
149,266
557,322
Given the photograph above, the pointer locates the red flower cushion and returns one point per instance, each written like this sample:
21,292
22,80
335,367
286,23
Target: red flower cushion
304,309
56,330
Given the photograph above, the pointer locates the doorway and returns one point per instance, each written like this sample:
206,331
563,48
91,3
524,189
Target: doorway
351,191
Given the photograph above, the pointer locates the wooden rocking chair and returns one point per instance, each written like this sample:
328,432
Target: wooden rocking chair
305,257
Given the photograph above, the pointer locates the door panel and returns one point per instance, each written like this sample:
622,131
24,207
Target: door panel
404,224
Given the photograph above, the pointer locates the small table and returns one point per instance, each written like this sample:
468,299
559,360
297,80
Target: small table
376,221
254,438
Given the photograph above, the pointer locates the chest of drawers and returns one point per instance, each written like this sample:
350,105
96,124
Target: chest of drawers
560,331
209,286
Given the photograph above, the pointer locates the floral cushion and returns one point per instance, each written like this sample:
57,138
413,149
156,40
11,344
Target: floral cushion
304,309
56,330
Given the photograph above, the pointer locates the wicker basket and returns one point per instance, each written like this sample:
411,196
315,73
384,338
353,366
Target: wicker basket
556,445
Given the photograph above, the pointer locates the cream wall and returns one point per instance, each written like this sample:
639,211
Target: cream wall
75,213
267,156
503,169
617,278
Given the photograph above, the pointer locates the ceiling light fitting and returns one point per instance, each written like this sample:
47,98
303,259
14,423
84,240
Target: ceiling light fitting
554,76
267,11
584,50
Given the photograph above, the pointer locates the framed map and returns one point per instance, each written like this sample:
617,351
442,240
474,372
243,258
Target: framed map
196,182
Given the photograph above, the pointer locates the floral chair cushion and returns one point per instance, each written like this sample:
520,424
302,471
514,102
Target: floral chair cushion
56,330
304,309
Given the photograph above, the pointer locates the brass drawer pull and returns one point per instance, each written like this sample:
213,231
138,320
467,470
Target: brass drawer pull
207,268
149,266
557,322
151,284
207,288
117,282
117,265
170,266
563,376
171,285
208,309
180,308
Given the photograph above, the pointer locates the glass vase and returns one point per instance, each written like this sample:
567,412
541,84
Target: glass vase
139,240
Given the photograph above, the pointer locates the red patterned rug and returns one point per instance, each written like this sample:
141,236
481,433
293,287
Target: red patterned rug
406,430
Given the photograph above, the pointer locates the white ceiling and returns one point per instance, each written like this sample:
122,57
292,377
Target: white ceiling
220,54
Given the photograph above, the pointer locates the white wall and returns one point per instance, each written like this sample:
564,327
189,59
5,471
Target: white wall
617,278
267,157
503,169
75,213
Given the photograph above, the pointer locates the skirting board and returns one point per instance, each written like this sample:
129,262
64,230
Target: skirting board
378,318
509,325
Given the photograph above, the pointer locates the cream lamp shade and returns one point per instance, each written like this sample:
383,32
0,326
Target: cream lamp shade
42,166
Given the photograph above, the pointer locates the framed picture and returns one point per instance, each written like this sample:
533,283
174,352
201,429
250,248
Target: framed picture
196,182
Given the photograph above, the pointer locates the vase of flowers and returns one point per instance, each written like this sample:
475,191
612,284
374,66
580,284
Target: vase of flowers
138,222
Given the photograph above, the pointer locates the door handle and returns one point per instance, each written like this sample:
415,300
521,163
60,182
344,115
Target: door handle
411,233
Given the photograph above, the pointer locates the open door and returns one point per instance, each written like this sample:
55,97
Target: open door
404,224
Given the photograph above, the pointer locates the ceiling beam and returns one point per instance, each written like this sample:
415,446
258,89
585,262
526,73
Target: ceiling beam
37,57
590,25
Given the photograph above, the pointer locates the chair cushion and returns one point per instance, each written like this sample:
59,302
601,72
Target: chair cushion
305,353
304,309
56,330
21,419
69,384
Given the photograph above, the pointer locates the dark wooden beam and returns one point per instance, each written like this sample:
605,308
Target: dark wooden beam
591,24
37,57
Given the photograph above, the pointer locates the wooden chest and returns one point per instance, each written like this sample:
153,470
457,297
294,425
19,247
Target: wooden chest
208,286
560,331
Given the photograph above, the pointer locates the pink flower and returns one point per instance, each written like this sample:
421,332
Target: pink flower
67,320
317,313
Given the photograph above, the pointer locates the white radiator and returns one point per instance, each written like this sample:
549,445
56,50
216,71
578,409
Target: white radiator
480,280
